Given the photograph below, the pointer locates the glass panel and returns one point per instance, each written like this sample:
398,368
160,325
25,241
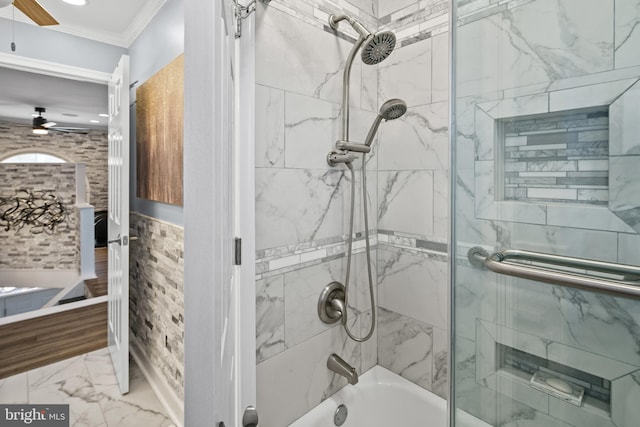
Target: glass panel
546,160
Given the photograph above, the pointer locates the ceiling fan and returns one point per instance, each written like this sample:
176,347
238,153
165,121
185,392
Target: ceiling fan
42,126
33,10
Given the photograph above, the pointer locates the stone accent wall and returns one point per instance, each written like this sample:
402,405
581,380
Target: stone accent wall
25,249
90,149
156,271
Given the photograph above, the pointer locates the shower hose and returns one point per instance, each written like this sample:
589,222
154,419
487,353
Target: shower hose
368,251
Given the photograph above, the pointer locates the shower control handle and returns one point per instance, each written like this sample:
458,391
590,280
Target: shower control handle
331,304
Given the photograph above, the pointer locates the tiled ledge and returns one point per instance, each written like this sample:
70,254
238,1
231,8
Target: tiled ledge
284,259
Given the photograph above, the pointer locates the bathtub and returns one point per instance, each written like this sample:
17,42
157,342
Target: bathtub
382,399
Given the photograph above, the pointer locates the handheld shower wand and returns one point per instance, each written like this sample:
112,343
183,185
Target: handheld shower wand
390,110
334,300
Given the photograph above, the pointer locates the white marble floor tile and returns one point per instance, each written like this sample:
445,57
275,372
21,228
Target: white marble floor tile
14,389
88,384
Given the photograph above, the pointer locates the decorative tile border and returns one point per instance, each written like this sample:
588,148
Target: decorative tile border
474,10
317,13
284,259
418,21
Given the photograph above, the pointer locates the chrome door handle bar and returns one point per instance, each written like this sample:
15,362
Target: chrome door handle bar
501,263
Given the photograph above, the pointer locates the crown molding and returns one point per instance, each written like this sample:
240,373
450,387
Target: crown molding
55,69
124,40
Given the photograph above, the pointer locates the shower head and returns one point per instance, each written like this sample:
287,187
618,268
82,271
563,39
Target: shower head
393,109
378,47
390,110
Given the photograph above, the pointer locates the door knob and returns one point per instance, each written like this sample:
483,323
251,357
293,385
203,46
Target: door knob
250,417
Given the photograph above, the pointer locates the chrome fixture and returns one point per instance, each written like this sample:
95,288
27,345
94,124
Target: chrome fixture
331,304
336,364
503,263
250,417
390,110
377,47
328,307
340,415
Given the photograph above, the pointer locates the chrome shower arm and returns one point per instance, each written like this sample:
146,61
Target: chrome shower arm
346,87
335,19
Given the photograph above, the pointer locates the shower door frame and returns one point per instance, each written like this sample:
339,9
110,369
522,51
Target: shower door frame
451,406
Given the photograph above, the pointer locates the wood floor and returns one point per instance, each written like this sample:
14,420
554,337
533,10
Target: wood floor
47,339
98,287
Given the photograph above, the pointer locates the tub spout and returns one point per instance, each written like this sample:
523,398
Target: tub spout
336,364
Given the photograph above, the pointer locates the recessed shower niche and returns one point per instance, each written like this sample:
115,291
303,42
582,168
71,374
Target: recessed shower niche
561,153
556,157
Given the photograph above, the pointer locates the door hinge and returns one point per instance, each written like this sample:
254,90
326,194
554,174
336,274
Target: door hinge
242,12
238,251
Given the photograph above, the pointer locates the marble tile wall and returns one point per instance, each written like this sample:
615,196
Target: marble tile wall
24,249
302,203
412,156
507,63
156,299
90,149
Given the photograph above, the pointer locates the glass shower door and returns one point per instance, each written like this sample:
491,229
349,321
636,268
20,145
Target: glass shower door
547,160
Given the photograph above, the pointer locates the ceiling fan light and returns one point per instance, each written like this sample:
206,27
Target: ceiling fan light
75,2
40,131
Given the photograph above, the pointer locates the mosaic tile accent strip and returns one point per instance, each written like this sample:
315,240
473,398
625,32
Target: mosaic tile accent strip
317,13
417,21
274,261
474,10
560,157
156,271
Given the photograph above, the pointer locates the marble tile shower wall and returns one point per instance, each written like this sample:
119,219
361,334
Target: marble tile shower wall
412,159
507,57
302,203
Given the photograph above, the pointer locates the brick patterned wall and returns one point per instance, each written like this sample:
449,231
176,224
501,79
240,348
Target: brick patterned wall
24,250
157,295
90,149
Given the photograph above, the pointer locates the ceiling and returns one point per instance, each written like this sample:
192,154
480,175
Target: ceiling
70,102
117,22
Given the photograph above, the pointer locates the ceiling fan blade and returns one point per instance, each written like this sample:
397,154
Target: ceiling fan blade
49,124
81,131
35,12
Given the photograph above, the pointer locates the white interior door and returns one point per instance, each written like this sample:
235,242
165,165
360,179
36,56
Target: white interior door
219,296
118,269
